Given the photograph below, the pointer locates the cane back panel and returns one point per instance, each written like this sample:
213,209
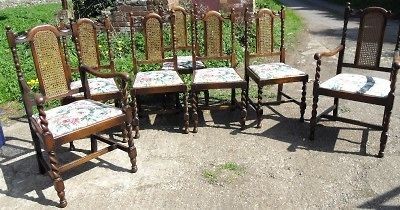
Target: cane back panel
154,37
49,60
213,34
370,37
181,27
87,38
264,31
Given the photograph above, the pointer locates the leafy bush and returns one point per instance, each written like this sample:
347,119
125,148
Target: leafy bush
20,19
91,8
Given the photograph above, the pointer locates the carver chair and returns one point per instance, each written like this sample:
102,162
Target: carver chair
226,77
158,81
359,87
275,73
53,127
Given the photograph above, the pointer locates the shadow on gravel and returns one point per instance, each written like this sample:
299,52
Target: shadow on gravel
19,168
292,131
378,202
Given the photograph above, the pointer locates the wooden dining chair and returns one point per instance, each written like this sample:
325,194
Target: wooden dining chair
359,87
183,62
158,81
269,73
86,38
226,77
53,127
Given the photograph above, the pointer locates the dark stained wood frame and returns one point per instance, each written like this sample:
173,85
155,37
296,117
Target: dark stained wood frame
197,87
41,135
259,54
387,102
135,92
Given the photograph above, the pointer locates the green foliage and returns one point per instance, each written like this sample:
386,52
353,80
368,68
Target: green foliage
392,5
20,18
91,8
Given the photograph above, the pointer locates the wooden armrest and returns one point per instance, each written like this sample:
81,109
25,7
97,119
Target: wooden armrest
122,75
330,53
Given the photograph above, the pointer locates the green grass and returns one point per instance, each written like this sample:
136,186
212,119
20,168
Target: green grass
20,18
224,173
392,5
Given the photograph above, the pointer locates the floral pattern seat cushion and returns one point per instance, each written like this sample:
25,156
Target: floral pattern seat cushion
184,63
157,79
77,115
216,75
269,71
97,86
359,84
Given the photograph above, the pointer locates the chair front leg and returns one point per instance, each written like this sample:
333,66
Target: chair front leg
247,78
384,134
336,103
57,180
259,106
132,153
135,117
243,107
279,93
194,110
313,120
233,98
207,97
303,100
93,144
186,113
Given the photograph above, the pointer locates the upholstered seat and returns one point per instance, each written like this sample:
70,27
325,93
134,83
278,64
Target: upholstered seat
77,115
157,79
97,86
183,63
269,71
359,84
216,75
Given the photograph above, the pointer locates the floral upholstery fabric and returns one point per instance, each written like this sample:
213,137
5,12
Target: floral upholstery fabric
355,83
97,86
216,75
77,115
275,71
184,63
157,79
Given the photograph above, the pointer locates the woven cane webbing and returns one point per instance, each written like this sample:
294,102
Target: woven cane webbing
264,34
87,42
370,40
213,34
49,59
154,46
180,29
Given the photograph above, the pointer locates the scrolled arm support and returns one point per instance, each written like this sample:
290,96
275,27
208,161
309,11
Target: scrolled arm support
330,53
40,101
